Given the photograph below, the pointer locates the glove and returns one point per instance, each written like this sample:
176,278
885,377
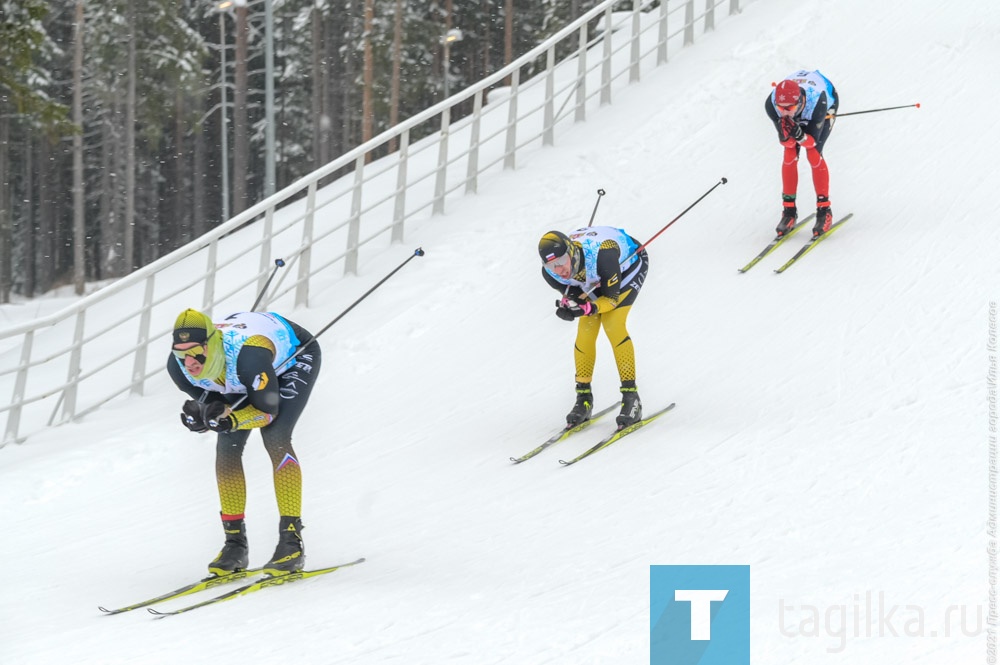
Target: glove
216,418
193,416
567,309
792,131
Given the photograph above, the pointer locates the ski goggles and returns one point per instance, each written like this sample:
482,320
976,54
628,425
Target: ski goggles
564,261
788,110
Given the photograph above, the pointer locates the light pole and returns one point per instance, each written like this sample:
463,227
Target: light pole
221,9
453,35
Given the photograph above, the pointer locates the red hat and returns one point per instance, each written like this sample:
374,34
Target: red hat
787,93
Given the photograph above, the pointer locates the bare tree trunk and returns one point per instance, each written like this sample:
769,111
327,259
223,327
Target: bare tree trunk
46,222
179,231
199,212
106,244
6,214
487,39
29,216
508,36
320,122
127,262
397,60
367,113
79,233
241,148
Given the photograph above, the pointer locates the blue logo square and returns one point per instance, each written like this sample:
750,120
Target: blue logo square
699,615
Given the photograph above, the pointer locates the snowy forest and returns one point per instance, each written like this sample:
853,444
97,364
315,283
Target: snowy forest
122,122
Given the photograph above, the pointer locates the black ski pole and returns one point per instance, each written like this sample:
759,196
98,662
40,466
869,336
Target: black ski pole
641,247
416,253
302,346
888,108
600,193
278,263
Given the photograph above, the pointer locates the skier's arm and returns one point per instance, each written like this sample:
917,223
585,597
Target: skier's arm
254,370
609,271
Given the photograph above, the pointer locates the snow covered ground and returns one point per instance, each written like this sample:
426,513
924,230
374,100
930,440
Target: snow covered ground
831,429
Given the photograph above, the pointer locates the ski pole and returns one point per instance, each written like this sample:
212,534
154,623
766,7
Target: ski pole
600,193
888,108
641,247
278,263
312,338
416,253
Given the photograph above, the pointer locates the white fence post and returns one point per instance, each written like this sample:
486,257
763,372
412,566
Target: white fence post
208,297
709,15
354,226
689,23
633,71
139,363
511,143
73,374
606,60
734,7
581,77
661,39
472,171
14,417
549,114
305,256
441,175
399,205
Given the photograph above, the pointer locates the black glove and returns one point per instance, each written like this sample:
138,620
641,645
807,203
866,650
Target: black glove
216,420
796,132
567,309
193,416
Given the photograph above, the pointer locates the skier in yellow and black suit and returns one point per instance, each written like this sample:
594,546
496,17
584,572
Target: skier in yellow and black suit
600,274
234,373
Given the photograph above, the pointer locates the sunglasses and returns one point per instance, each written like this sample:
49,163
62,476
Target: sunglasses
787,110
197,352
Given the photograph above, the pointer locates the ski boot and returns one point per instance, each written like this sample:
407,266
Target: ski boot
235,552
583,407
824,216
631,412
290,555
789,215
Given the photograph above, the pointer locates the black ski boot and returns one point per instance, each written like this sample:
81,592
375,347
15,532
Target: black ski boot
631,412
583,407
290,555
824,216
789,215
235,552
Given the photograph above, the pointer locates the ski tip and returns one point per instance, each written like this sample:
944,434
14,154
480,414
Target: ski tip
104,609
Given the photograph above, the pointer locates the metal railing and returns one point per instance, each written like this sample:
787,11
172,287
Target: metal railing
62,366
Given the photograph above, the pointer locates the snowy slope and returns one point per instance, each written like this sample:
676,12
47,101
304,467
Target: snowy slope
831,427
